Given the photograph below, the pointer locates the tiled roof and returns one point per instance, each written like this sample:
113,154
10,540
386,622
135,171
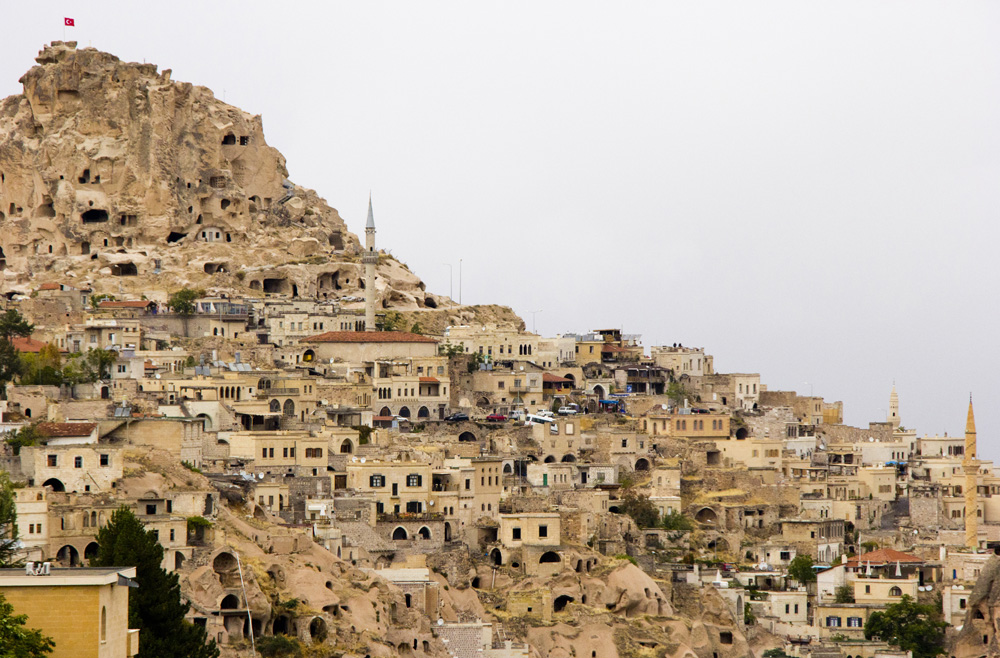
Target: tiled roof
27,344
368,337
55,430
50,286
546,377
884,556
136,303
429,380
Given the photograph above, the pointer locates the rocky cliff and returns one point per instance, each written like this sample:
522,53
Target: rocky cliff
115,176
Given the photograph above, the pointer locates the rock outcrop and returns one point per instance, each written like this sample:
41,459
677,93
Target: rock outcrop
980,634
113,175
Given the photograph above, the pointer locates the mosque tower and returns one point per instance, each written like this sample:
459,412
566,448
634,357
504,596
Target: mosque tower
893,417
970,466
370,259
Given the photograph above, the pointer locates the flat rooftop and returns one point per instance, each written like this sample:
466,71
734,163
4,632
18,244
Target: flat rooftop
65,577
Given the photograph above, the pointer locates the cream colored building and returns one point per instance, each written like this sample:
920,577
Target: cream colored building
83,610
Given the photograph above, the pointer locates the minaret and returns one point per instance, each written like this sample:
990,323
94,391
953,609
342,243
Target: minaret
893,417
971,467
370,258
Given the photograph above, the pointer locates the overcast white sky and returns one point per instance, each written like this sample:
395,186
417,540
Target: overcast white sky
809,190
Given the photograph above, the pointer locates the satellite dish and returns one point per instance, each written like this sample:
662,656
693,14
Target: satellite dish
871,439
440,622
431,503
260,476
354,459
362,460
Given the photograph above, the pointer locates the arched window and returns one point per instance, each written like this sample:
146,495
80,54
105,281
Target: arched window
895,591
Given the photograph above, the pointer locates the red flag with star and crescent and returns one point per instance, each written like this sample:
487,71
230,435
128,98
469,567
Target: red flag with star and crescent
69,22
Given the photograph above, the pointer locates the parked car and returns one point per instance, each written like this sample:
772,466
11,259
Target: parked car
457,417
567,411
496,418
545,412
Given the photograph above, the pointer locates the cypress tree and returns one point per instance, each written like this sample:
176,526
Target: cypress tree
155,608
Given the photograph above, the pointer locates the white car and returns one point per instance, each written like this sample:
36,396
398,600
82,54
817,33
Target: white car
567,411
545,412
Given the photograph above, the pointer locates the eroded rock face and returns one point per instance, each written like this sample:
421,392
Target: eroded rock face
111,173
979,633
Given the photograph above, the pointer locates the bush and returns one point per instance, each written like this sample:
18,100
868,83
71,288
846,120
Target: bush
844,594
622,556
278,646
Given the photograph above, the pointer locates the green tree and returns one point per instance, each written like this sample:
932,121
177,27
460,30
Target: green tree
844,594
43,368
16,641
639,507
776,653
13,324
26,436
909,625
801,569
97,364
95,300
678,393
749,618
416,328
450,350
676,521
182,301
869,546
393,321
155,608
9,544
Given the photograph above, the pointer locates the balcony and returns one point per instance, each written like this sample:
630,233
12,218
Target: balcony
277,392
410,516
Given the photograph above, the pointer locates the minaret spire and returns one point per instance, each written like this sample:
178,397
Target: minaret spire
893,418
370,259
971,467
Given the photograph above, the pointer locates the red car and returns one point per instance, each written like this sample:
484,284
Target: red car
496,418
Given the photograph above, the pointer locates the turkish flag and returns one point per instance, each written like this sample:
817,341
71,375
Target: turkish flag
69,22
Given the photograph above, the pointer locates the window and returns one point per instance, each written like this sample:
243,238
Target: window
78,462
376,481
543,531
284,452
468,484
105,460
868,589
961,604
854,622
413,480
833,622
170,506
785,555
53,461
171,534
151,509
895,591
517,533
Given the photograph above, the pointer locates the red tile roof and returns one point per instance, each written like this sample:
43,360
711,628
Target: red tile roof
50,286
136,303
884,556
429,380
555,379
27,344
369,337
55,430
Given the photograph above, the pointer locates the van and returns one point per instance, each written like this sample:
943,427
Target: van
534,419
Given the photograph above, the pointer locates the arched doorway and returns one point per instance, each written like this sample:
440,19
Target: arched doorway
274,406
90,552
496,557
560,603
385,412
424,532
550,459
447,531
308,356
642,464
706,516
404,412
68,556
55,483
568,458
346,447
466,436
288,409
423,412
549,557
229,602
599,392
399,533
